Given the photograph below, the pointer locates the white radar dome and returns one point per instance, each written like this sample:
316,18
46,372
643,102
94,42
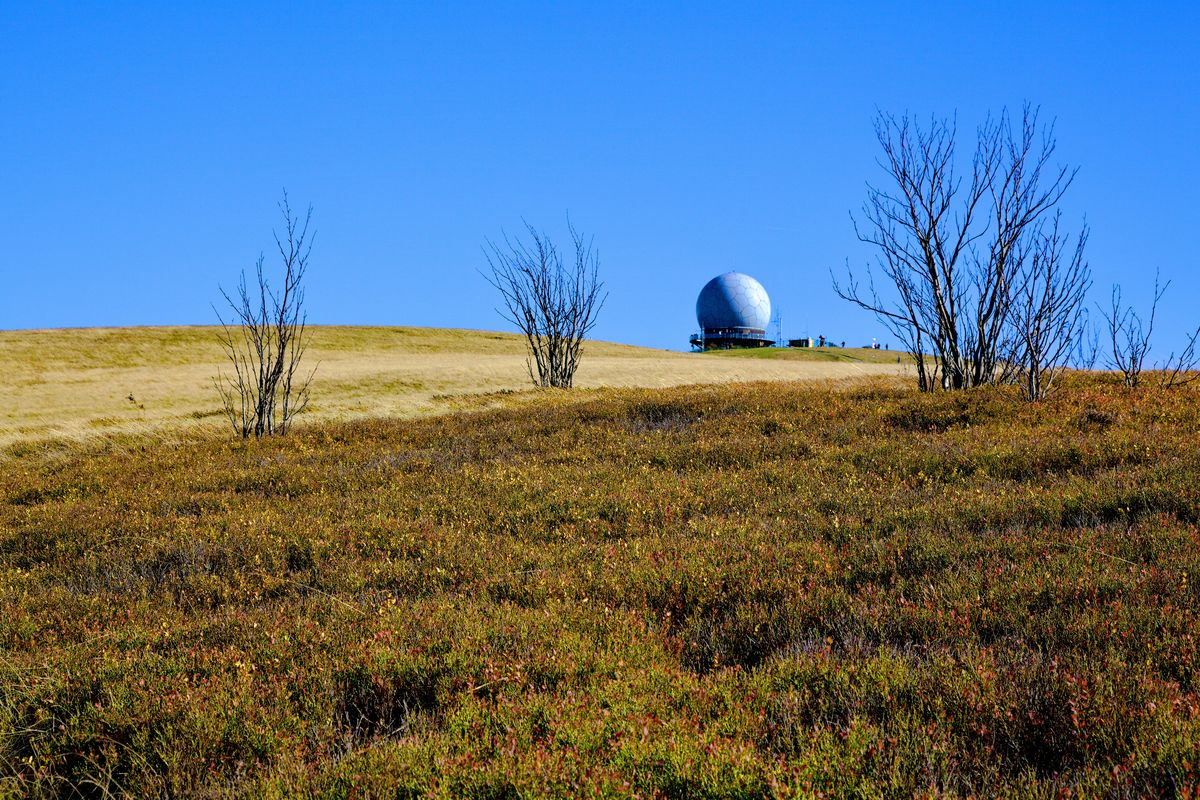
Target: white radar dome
733,300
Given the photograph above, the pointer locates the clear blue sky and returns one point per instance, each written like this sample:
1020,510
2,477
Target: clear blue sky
145,145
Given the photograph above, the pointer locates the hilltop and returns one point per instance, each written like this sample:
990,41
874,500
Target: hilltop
76,384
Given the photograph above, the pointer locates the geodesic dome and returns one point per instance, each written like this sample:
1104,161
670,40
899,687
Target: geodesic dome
732,301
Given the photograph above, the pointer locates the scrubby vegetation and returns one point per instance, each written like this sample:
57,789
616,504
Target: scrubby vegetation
760,590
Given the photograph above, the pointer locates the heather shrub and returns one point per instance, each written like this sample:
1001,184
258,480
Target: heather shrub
742,591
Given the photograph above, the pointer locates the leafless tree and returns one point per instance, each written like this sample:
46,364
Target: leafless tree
1184,368
1048,306
1129,339
265,340
1129,335
948,249
552,303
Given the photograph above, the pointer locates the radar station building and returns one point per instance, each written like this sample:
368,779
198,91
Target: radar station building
733,311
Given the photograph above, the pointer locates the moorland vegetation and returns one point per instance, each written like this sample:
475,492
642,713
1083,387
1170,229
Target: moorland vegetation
729,591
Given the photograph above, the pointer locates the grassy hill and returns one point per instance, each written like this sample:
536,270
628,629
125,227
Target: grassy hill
726,591
80,384
842,355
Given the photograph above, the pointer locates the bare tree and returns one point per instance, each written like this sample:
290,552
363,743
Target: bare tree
1048,306
1129,339
265,340
1129,335
951,249
553,304
1184,368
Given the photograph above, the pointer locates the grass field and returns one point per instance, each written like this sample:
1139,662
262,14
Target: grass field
79,384
754,590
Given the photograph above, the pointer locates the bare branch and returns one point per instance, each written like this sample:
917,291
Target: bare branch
1048,306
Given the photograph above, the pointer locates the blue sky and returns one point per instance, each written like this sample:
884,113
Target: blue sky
145,146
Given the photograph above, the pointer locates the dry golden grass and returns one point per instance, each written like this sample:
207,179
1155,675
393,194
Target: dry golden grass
79,384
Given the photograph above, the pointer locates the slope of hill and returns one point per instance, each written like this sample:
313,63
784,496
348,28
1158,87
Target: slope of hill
843,355
725,591
77,383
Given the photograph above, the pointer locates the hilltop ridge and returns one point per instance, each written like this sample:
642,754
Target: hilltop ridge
78,383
